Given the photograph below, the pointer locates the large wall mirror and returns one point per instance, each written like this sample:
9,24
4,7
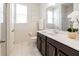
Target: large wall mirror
56,16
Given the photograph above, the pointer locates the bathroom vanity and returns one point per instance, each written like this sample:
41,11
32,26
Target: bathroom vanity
56,44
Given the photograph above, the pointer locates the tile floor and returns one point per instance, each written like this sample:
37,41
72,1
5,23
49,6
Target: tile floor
25,49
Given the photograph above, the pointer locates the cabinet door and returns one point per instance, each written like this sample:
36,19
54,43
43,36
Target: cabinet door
43,47
60,53
51,50
39,43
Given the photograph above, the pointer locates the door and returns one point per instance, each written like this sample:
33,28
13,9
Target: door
20,28
16,25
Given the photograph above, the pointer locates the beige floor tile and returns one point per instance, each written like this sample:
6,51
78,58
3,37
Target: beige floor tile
25,49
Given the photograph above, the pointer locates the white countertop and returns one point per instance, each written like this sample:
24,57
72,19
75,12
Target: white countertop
62,37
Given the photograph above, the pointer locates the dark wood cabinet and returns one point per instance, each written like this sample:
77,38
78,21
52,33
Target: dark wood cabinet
50,47
60,53
41,42
43,47
51,50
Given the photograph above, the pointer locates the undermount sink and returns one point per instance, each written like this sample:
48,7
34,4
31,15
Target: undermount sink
51,32
54,32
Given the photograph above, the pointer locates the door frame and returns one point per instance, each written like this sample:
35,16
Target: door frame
10,33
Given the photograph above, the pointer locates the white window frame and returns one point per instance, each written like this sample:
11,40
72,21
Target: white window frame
22,15
52,21
1,12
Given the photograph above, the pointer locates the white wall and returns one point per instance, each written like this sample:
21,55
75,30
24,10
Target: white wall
43,10
76,7
3,33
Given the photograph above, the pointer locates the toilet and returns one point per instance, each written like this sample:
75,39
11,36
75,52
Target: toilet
34,41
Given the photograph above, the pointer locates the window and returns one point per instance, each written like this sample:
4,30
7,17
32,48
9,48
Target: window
1,12
56,16
21,13
49,17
